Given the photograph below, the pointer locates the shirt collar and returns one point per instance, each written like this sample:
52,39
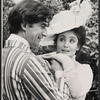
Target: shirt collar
18,38
17,41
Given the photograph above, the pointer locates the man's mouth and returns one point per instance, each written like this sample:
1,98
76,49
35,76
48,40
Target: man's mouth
39,37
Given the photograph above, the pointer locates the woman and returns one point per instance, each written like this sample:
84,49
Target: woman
78,77
68,39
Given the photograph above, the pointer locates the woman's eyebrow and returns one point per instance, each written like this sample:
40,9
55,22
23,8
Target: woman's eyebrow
62,36
73,37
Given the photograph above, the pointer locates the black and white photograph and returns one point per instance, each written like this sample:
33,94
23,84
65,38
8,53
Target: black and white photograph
50,50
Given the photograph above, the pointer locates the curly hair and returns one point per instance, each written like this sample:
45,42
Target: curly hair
27,12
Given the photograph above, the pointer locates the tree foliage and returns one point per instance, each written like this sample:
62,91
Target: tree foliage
7,4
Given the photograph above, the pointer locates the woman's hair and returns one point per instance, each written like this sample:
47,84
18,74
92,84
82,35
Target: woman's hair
27,12
80,32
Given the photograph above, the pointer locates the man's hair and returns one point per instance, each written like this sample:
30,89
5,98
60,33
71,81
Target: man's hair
80,32
27,12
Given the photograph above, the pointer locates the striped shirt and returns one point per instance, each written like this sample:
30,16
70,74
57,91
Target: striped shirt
25,75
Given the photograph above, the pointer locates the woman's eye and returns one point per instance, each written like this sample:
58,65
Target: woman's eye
62,39
72,40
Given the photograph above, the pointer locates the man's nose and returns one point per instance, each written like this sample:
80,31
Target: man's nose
44,32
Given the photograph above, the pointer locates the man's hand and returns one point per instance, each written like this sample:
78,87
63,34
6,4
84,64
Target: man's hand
56,65
65,61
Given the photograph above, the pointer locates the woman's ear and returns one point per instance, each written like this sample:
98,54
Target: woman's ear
23,26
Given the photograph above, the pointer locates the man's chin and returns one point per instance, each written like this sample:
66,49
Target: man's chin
35,45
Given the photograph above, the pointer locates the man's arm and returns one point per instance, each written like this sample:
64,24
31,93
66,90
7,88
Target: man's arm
38,82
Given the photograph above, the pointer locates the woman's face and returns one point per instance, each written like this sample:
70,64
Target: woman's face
67,43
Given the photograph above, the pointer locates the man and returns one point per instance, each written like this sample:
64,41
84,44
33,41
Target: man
24,74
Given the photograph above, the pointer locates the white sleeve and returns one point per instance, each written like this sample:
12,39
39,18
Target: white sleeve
79,80
85,75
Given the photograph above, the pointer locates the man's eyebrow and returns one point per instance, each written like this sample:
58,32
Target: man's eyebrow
45,24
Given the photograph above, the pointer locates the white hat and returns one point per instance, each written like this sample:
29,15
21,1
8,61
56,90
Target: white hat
67,20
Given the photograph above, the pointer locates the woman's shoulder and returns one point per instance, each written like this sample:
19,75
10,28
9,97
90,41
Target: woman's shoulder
85,75
84,72
83,67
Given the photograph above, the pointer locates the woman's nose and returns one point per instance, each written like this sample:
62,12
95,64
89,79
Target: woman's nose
66,44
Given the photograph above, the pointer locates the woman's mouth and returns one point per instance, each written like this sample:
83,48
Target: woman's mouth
65,51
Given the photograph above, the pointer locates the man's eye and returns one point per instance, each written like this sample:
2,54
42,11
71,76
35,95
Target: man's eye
31,26
43,27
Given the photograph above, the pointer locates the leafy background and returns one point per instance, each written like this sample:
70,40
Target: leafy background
89,52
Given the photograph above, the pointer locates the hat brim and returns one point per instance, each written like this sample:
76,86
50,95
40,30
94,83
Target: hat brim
65,21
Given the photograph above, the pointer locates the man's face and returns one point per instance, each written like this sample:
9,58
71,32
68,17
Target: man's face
35,32
67,43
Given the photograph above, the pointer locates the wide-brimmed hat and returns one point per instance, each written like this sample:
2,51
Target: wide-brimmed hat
67,20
